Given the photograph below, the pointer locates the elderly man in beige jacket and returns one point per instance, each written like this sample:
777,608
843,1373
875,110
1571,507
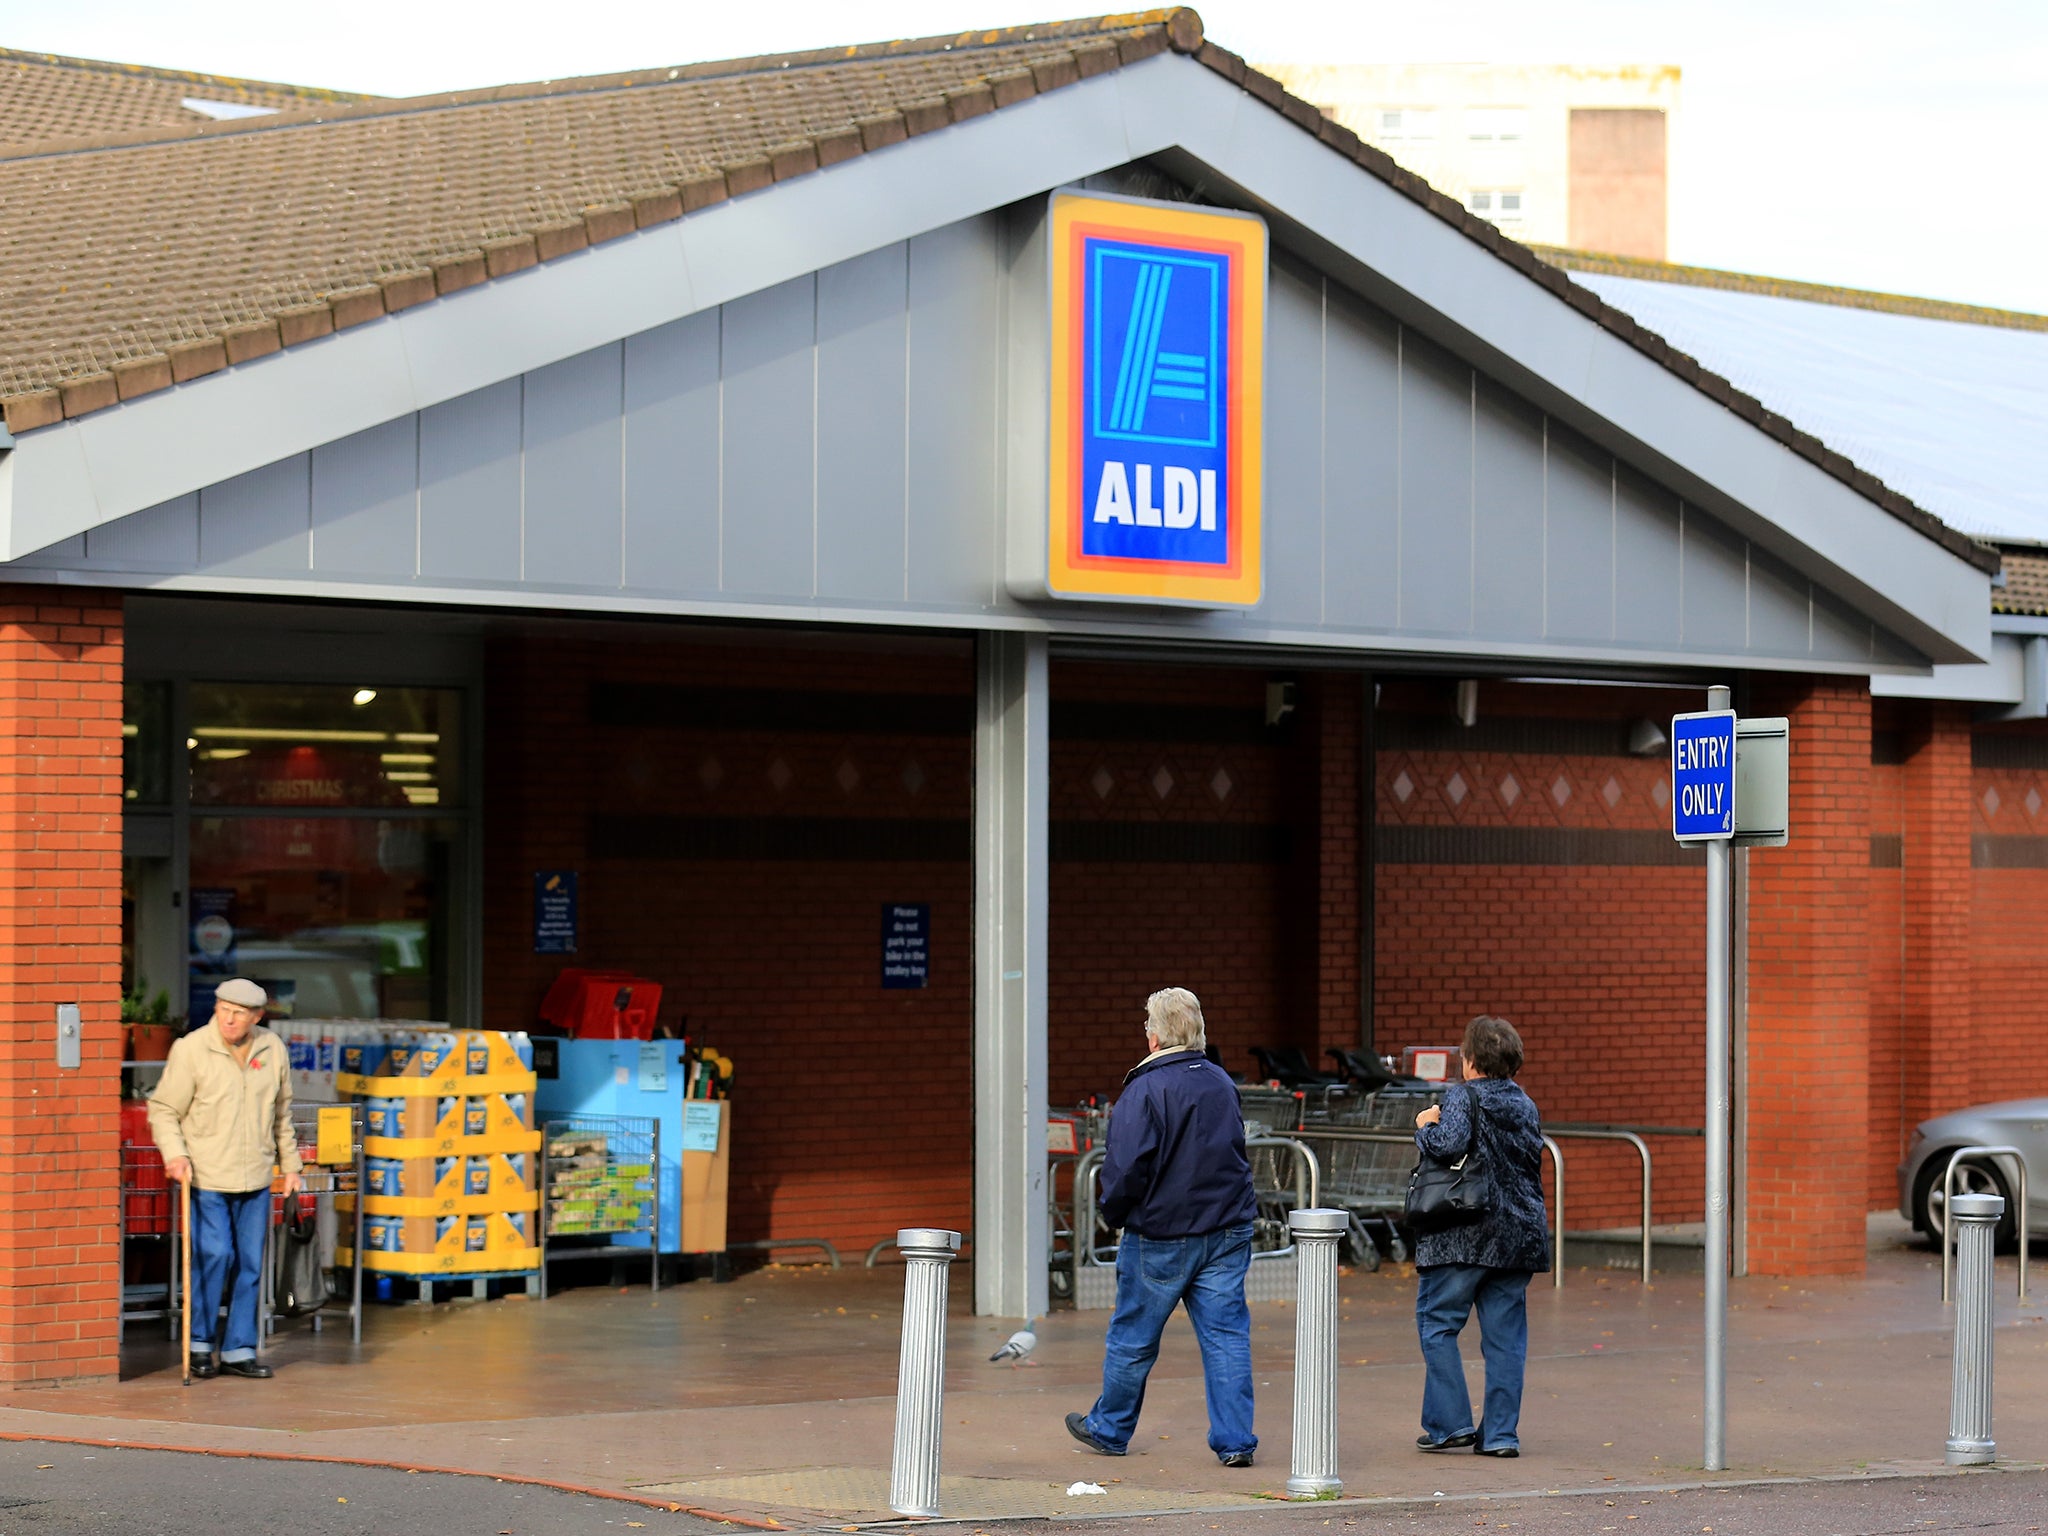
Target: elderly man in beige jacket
222,1117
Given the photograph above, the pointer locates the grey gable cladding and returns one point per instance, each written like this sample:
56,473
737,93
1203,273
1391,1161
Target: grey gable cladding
832,447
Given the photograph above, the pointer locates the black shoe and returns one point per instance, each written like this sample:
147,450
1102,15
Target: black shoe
1465,1442
1236,1459
255,1370
1504,1452
1077,1426
203,1368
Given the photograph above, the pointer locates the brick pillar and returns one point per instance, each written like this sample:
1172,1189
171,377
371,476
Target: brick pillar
1337,894
1936,915
1809,1064
60,942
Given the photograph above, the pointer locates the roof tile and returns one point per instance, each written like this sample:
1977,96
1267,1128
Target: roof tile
1011,86
359,305
560,237
402,290
608,221
196,359
452,274
703,191
926,116
90,392
304,322
514,253
142,375
34,408
250,339
797,158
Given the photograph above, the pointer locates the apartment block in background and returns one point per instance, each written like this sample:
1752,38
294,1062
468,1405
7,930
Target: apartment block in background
1558,155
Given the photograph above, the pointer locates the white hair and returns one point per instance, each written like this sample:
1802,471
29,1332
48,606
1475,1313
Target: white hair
1174,1016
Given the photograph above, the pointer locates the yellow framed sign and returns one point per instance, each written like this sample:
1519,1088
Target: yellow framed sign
1158,395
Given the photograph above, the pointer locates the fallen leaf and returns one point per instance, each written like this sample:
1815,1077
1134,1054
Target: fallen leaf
44,1466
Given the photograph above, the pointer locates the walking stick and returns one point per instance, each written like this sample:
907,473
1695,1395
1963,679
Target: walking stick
185,1272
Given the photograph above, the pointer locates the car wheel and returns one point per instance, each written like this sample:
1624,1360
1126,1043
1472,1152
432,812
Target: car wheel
1972,1178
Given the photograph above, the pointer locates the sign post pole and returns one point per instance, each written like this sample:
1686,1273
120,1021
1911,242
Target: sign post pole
1730,783
1715,1410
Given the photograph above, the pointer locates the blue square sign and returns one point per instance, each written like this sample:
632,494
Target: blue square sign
1703,776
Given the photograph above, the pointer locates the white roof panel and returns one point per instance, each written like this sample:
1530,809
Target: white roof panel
1953,415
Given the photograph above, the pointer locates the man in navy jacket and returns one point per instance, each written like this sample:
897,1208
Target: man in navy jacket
1176,1179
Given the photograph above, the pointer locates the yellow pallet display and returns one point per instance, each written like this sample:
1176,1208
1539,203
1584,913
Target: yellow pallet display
451,1153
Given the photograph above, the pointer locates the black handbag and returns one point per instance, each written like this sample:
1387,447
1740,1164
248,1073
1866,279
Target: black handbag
1443,1194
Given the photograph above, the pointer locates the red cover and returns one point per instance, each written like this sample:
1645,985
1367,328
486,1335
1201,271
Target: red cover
602,1005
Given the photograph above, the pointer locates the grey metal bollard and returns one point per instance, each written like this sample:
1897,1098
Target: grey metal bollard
1969,1405
928,1254
1315,1233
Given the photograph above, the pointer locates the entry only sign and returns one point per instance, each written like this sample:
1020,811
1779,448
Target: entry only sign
1703,776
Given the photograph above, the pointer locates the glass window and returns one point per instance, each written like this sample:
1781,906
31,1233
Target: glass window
1496,123
146,743
314,745
338,917
1408,123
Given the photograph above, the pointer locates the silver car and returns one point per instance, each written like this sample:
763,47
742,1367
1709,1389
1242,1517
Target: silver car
2021,1123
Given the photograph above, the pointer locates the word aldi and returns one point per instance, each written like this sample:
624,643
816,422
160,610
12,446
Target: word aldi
1158,352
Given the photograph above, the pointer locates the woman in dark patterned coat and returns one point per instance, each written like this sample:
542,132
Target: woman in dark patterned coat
1487,1264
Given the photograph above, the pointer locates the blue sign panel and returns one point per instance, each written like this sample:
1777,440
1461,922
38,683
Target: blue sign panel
554,912
1703,776
906,944
1155,364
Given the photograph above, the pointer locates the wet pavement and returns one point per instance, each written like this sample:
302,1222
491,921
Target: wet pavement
697,1393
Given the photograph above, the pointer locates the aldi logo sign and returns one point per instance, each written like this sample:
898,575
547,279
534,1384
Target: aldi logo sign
1158,353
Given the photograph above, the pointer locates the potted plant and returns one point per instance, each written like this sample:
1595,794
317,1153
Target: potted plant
146,1021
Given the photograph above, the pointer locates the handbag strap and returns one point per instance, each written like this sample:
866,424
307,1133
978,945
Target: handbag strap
1478,1109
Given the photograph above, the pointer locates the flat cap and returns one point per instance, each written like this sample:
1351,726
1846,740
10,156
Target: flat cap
245,994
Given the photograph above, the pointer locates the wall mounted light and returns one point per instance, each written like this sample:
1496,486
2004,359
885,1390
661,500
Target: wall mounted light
364,696
1646,738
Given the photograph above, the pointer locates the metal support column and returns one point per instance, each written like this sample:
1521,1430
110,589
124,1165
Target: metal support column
1715,1412
1012,767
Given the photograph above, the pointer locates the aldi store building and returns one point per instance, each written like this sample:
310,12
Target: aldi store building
1050,477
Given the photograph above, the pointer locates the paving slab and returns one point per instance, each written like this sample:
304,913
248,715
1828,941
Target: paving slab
792,1370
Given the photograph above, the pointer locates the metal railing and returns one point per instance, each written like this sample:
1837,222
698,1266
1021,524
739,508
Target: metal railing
1614,1133
1948,1190
1087,1172
1407,1138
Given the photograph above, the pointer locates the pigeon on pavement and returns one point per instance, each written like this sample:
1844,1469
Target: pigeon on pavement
1019,1344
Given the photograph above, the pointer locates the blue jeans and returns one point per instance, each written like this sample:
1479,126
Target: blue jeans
227,1235
1445,1299
1153,1276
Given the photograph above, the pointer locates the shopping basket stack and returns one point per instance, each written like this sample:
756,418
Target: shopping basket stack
450,1152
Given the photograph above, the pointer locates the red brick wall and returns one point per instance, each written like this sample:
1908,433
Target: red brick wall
60,942
1888,1065
1809,991
1936,912
1229,932
1598,966
2009,961
852,1114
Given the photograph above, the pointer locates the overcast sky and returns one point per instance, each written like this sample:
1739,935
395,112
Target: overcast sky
1890,144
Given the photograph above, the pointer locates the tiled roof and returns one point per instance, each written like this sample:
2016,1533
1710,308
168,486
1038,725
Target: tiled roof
2026,584
46,98
158,256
